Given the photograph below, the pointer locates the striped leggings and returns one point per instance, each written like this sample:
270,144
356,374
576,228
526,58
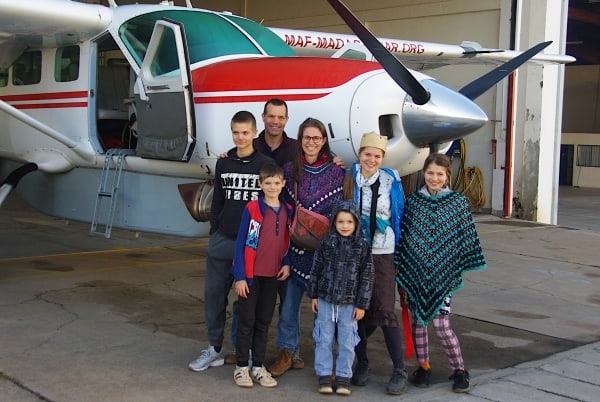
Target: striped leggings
447,337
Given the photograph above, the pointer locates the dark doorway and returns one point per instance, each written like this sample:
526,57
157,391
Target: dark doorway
565,172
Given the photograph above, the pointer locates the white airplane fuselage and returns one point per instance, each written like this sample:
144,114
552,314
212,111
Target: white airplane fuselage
66,124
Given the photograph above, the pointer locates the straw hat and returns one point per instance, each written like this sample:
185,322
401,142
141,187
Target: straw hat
374,140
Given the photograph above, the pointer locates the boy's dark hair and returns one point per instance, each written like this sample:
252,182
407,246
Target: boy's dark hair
275,102
244,116
270,170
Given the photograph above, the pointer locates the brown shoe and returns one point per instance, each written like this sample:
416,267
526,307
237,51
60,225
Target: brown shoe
297,362
282,364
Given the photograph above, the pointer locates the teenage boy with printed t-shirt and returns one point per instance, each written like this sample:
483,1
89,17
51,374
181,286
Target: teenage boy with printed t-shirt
236,183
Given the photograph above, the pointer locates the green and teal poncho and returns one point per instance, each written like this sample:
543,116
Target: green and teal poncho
438,243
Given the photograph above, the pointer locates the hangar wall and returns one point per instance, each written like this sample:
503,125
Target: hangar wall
510,166
581,124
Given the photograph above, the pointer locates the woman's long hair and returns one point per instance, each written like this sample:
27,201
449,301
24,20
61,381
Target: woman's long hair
297,164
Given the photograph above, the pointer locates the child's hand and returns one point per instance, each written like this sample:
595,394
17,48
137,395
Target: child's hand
315,306
358,314
283,273
241,288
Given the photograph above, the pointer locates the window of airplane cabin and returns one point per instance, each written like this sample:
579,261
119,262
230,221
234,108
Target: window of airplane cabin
3,76
27,70
267,39
208,35
66,64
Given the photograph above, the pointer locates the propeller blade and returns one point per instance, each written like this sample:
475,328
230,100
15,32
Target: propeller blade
397,71
486,81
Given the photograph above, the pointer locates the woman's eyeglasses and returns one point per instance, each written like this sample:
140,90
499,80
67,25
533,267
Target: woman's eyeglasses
316,139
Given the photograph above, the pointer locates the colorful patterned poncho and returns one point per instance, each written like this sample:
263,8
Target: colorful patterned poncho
439,242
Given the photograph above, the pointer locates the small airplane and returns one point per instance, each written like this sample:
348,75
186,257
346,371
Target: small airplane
130,104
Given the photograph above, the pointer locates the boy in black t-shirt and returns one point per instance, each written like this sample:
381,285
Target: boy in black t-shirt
236,183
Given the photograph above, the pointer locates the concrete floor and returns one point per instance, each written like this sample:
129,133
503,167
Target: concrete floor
83,318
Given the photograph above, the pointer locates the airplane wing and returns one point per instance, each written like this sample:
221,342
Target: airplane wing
415,54
40,23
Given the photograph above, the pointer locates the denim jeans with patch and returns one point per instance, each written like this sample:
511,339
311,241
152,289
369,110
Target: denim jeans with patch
329,317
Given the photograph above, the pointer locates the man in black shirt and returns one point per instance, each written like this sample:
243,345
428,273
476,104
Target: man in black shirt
273,141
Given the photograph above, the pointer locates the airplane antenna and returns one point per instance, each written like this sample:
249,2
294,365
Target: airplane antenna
112,3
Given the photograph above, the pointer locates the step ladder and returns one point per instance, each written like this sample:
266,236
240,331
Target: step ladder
108,189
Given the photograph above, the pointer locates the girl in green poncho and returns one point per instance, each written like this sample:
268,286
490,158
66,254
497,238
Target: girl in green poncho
438,243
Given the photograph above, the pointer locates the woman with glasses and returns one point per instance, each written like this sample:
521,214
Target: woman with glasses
315,182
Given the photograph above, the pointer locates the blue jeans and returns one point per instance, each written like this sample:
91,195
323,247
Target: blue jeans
217,285
324,336
288,327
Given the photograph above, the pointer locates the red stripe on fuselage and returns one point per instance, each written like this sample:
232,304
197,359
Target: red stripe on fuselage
279,73
45,96
51,105
256,98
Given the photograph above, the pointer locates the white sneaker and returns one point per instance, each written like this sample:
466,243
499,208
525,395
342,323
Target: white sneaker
241,376
208,358
263,377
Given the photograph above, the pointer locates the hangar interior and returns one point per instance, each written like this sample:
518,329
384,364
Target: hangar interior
543,130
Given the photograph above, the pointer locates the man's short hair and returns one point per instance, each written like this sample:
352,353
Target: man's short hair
275,102
244,116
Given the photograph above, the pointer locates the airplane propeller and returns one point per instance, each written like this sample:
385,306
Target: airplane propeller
437,114
486,81
396,70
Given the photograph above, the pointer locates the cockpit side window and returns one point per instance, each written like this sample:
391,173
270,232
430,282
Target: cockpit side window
66,64
208,35
3,76
27,70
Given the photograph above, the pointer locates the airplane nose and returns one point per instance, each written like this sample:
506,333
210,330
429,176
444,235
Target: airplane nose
447,116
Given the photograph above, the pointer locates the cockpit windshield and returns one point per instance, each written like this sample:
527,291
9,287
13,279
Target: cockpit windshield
208,35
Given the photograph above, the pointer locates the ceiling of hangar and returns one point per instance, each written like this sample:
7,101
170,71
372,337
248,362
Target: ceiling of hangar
583,27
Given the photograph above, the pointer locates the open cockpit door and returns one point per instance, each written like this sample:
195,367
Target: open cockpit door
164,103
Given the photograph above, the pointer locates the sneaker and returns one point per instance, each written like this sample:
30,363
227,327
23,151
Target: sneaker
461,381
397,384
208,358
241,376
361,374
420,378
230,358
263,377
343,386
282,364
325,386
297,362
